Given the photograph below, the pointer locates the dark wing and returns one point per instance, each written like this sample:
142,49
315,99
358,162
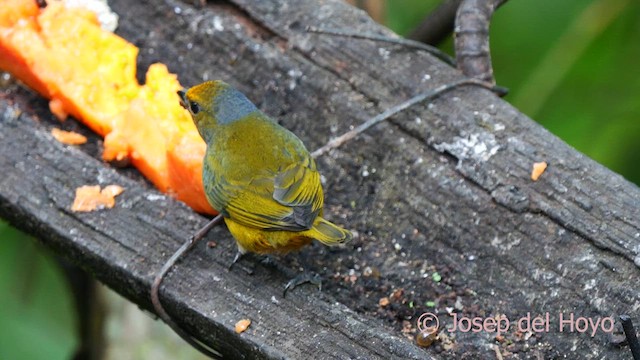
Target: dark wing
290,200
299,187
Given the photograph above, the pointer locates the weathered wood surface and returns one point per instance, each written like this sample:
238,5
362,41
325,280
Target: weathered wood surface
443,187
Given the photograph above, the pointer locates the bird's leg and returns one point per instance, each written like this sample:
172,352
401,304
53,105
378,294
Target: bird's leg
239,255
306,276
303,278
268,261
155,288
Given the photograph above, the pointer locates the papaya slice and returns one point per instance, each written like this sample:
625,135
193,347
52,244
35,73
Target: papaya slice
90,74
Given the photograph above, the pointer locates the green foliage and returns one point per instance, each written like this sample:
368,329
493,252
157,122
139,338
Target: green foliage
580,84
403,16
36,310
570,65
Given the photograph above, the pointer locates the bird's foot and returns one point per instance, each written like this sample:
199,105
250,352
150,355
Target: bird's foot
267,260
237,258
305,277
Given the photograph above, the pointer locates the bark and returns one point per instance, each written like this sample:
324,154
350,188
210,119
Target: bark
444,187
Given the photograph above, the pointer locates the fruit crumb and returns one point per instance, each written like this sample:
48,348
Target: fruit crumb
68,137
538,169
242,325
90,198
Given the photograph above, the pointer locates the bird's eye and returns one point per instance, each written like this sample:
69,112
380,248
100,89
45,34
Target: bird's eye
194,107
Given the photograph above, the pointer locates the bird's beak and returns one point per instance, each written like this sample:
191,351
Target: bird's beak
183,98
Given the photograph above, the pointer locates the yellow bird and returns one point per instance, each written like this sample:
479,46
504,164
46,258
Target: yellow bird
261,179
257,174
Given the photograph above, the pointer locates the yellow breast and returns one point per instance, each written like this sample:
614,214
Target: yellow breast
262,241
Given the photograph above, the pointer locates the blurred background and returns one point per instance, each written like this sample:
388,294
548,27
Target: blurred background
571,65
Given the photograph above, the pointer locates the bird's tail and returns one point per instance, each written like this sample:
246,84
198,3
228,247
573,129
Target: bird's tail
329,233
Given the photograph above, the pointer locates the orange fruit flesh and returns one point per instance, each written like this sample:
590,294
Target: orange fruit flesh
90,74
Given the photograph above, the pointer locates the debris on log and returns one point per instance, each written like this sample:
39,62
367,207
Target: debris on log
449,220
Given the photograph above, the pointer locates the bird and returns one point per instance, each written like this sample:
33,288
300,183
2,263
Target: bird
257,174
260,178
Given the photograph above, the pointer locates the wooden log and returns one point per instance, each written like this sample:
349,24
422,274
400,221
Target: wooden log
440,196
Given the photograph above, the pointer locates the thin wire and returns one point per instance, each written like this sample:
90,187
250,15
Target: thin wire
336,142
155,288
400,41
630,333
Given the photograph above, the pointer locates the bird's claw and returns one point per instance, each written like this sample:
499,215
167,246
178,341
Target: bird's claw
240,255
303,278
